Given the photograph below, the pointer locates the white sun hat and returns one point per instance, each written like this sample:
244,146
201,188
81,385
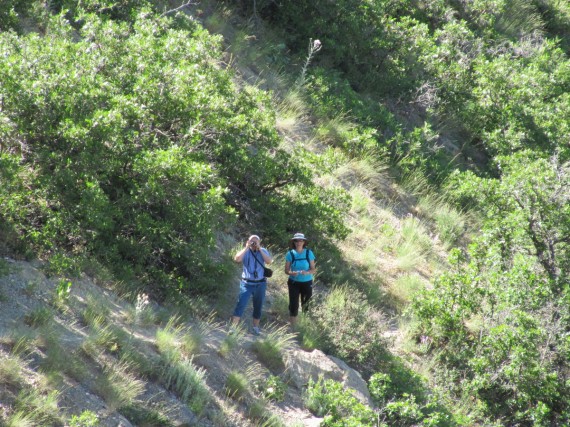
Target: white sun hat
299,236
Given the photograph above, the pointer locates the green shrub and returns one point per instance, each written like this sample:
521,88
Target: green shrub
272,388
140,149
379,386
85,419
348,328
331,400
12,13
349,31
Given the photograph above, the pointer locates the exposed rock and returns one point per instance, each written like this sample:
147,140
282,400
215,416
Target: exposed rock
302,365
312,422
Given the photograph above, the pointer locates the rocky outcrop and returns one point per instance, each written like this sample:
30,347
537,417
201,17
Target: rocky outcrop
303,365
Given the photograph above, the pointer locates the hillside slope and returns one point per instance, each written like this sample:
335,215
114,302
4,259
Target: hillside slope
55,349
95,351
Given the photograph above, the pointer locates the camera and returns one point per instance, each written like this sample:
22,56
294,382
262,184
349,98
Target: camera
253,243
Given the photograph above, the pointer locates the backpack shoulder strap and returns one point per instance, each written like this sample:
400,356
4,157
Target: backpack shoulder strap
293,259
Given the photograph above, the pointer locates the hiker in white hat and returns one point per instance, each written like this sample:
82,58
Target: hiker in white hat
300,267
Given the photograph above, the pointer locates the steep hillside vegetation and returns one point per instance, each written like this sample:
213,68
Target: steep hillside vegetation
421,145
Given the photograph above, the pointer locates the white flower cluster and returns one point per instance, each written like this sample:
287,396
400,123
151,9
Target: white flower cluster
142,303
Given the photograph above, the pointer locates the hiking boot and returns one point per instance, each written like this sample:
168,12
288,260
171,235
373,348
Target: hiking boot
256,330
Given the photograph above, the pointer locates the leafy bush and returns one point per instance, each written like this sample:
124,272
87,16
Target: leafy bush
402,400
85,419
331,400
349,330
118,10
272,388
12,13
351,31
140,149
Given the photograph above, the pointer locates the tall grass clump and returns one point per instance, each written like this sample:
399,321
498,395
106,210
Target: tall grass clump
178,372
309,333
290,109
261,416
118,386
360,201
237,385
413,231
404,288
187,381
109,337
191,342
450,223
4,267
414,245
335,131
59,359
22,341
168,338
139,414
269,349
95,312
231,340
144,364
193,337
20,418
36,406
40,316
11,370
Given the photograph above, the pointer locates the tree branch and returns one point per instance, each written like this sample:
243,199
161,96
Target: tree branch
189,3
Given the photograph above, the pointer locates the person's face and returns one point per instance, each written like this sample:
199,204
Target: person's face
254,243
299,243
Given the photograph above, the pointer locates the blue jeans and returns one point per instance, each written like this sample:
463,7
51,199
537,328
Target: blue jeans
247,290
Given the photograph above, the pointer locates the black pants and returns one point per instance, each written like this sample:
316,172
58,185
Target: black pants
305,289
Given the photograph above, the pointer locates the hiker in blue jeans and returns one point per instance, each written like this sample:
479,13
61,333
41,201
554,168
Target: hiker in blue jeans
253,283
